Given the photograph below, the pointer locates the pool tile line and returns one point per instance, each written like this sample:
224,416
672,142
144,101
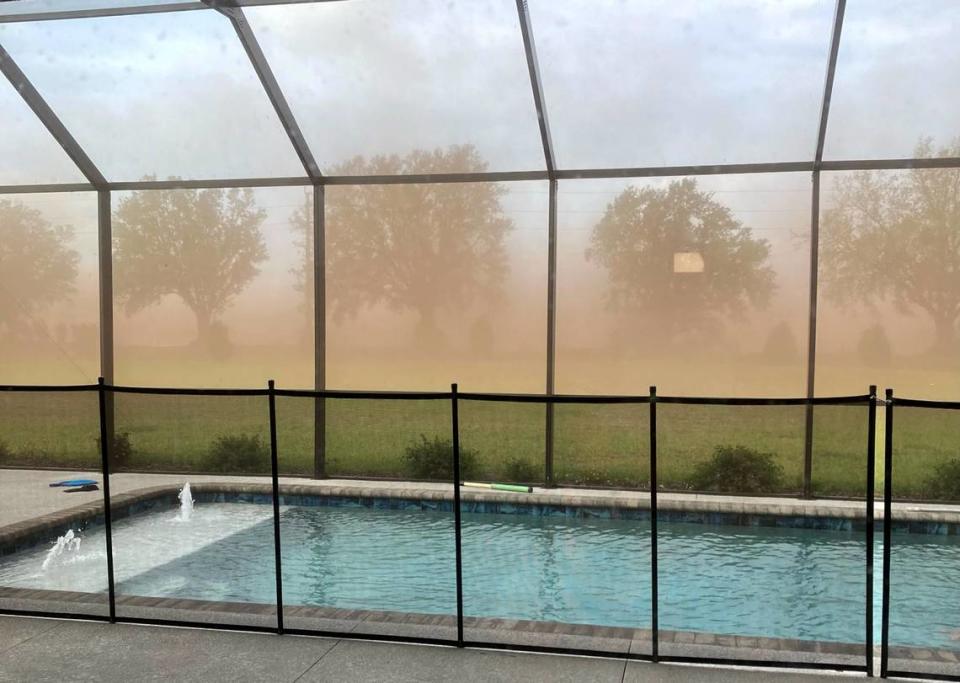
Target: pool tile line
713,510
521,632
517,627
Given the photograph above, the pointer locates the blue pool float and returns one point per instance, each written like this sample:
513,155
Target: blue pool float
85,487
74,482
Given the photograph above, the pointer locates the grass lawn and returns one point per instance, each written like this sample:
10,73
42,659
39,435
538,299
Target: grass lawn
593,445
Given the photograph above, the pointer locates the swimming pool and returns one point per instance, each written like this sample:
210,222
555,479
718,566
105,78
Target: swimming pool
775,582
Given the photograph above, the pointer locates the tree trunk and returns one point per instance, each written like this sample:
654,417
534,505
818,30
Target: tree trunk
945,343
427,334
204,327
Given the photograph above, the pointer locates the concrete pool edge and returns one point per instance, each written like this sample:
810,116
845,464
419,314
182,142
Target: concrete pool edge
479,631
614,640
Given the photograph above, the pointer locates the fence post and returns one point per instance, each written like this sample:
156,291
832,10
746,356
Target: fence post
871,485
275,481
455,423
105,446
887,524
654,593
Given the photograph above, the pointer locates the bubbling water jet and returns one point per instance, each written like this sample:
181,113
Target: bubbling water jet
68,544
186,503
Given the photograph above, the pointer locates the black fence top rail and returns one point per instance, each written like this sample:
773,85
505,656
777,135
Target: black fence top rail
817,401
556,398
170,391
45,387
368,395
473,396
922,403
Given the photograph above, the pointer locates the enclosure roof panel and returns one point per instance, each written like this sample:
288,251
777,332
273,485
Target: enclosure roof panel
29,153
169,94
386,78
674,82
52,6
896,81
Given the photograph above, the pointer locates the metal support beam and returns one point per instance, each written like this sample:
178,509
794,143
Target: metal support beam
105,269
269,83
700,169
498,176
209,183
889,164
121,10
49,119
815,246
828,81
46,188
319,331
523,12
812,334
97,12
551,326
539,103
423,178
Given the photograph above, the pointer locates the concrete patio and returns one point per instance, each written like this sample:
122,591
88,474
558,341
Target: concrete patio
66,650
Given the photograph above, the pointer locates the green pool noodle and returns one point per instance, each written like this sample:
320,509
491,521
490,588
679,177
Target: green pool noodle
500,487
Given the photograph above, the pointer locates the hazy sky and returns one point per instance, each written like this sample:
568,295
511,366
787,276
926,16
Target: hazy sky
626,84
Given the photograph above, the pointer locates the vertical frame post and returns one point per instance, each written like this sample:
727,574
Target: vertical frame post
543,122
654,581
105,265
551,329
887,528
455,425
812,336
105,448
871,484
275,481
319,332
838,14
105,270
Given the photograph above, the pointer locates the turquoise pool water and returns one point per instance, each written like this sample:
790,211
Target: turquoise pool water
776,582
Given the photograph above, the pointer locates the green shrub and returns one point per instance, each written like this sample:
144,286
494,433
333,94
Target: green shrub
433,459
944,482
874,346
121,450
522,471
5,452
239,454
781,345
482,336
738,469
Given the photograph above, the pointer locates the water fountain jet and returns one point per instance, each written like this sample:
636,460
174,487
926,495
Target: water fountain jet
186,503
68,543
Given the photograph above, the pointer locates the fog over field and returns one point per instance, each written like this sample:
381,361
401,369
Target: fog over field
374,84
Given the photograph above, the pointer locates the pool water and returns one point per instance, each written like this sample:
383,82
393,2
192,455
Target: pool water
761,581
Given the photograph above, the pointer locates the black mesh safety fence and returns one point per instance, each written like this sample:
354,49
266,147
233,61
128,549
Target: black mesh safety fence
646,527
921,573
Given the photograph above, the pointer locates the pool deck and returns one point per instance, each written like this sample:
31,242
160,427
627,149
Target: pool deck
28,503
66,650
25,494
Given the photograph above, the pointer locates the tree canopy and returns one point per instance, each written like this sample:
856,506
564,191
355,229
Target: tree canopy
202,246
426,248
678,261
895,237
37,265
